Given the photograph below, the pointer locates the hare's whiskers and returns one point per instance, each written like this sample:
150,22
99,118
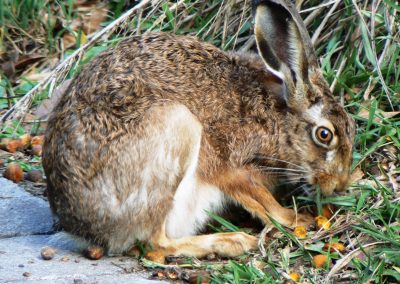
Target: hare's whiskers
279,160
283,169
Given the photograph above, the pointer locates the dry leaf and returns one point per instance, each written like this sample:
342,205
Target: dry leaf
364,113
48,105
356,175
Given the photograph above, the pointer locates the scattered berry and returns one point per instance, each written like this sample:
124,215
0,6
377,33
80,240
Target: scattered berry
300,232
332,247
320,260
14,172
322,222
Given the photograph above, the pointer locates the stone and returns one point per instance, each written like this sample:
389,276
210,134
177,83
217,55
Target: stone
22,213
26,227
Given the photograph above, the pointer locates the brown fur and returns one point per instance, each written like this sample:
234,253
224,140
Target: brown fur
106,179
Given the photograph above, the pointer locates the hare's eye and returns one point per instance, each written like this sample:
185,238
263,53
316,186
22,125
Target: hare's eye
324,135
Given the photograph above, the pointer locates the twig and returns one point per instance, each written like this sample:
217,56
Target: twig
347,258
323,23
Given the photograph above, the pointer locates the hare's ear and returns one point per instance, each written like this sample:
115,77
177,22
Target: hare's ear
282,40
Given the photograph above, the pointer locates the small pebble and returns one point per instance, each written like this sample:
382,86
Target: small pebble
211,256
65,258
36,150
26,274
78,281
21,265
94,252
47,253
34,176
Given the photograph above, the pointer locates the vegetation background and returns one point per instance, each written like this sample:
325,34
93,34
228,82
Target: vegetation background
43,43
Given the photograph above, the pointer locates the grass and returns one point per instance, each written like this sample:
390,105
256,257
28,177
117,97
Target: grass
358,43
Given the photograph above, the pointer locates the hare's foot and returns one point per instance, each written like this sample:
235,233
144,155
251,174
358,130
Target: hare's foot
302,219
223,244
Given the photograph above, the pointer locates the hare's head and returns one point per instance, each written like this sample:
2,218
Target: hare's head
322,133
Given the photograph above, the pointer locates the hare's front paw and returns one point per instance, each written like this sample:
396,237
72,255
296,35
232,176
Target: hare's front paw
302,219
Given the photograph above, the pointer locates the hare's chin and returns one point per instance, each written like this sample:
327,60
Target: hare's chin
327,191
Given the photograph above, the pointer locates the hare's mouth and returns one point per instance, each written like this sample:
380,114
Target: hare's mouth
301,188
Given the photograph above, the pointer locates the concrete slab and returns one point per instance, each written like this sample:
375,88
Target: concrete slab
26,227
19,255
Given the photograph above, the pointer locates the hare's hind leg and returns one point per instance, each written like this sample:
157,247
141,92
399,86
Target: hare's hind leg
186,216
223,244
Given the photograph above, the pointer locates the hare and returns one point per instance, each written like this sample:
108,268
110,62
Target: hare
160,129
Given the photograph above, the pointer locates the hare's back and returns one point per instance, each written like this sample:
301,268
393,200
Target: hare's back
155,67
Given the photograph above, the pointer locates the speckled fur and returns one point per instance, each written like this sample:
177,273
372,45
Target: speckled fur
108,180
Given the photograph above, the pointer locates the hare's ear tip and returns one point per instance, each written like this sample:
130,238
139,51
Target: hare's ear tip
256,3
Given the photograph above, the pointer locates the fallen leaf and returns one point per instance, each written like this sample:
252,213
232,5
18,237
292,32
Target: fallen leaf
356,175
364,113
47,105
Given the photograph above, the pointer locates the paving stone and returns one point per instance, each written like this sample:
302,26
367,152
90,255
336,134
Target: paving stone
26,227
21,212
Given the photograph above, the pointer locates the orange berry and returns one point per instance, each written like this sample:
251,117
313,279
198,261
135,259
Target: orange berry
94,252
320,260
328,210
14,172
332,247
25,140
12,145
322,222
156,256
300,232
37,140
294,276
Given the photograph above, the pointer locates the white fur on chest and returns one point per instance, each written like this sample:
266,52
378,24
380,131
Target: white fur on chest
192,200
191,203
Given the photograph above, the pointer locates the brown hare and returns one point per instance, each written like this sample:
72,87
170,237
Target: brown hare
162,128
